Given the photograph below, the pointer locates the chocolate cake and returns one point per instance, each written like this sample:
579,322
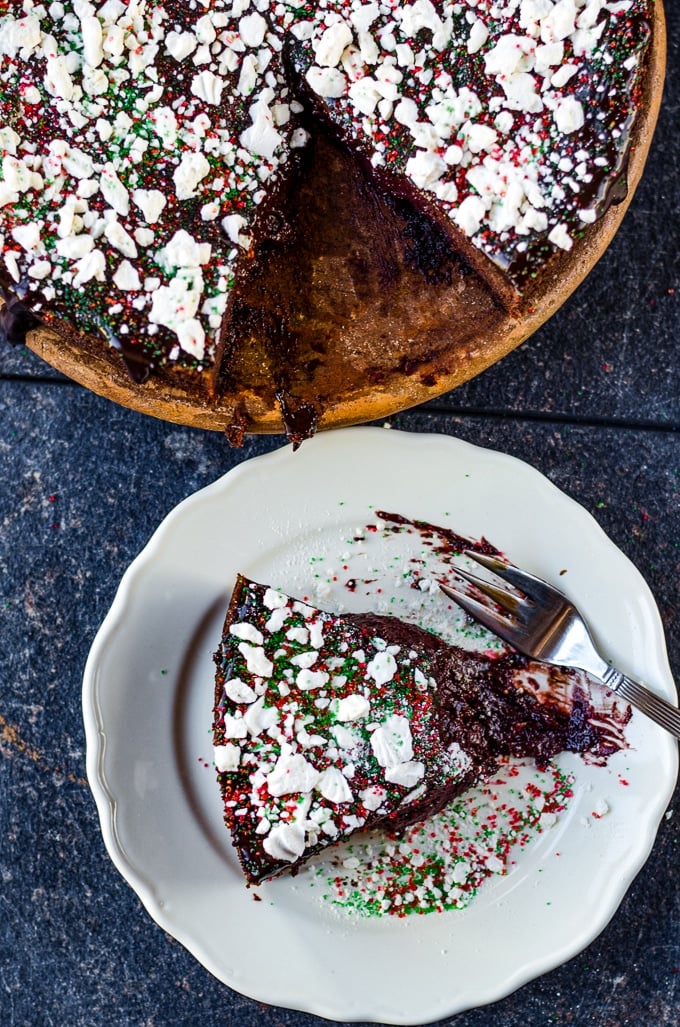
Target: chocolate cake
324,725
227,212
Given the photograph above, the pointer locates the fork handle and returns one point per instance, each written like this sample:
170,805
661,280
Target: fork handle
637,695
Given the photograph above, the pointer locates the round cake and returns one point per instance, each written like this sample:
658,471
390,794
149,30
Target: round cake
256,216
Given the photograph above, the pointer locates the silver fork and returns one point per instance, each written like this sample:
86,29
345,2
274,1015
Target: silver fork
543,624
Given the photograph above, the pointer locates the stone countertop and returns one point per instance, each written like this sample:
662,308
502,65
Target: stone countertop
592,400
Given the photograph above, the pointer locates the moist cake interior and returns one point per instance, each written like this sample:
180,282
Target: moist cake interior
353,271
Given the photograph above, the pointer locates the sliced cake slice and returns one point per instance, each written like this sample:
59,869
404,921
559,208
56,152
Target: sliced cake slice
324,725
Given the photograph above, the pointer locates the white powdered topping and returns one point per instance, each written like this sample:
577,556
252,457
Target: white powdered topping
285,842
406,774
252,29
91,28
292,773
352,707
151,202
332,784
91,266
373,797
315,628
478,36
73,246
558,21
332,44
274,600
126,278
41,269
80,165
21,35
568,114
176,304
180,44
307,611
345,737
391,742
227,757
208,87
239,692
256,661
277,619
309,679
299,634
120,240
57,80
262,138
327,82
28,236
190,172
166,126
470,214
382,668
114,191
259,718
234,727
305,660
233,225
425,168
247,632
559,235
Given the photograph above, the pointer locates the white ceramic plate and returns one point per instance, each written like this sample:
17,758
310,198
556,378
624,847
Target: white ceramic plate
282,519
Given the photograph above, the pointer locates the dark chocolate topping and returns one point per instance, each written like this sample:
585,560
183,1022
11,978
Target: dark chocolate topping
16,321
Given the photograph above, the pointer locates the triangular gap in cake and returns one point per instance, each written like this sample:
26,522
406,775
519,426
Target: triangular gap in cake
510,122
361,280
398,186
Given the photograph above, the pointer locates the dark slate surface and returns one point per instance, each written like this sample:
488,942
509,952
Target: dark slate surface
592,400
85,485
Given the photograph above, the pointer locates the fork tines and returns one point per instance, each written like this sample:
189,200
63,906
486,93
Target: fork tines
507,600
486,615
534,588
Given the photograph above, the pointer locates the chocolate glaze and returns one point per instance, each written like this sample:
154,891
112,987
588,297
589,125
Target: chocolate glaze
300,418
444,541
137,363
235,431
428,249
16,319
